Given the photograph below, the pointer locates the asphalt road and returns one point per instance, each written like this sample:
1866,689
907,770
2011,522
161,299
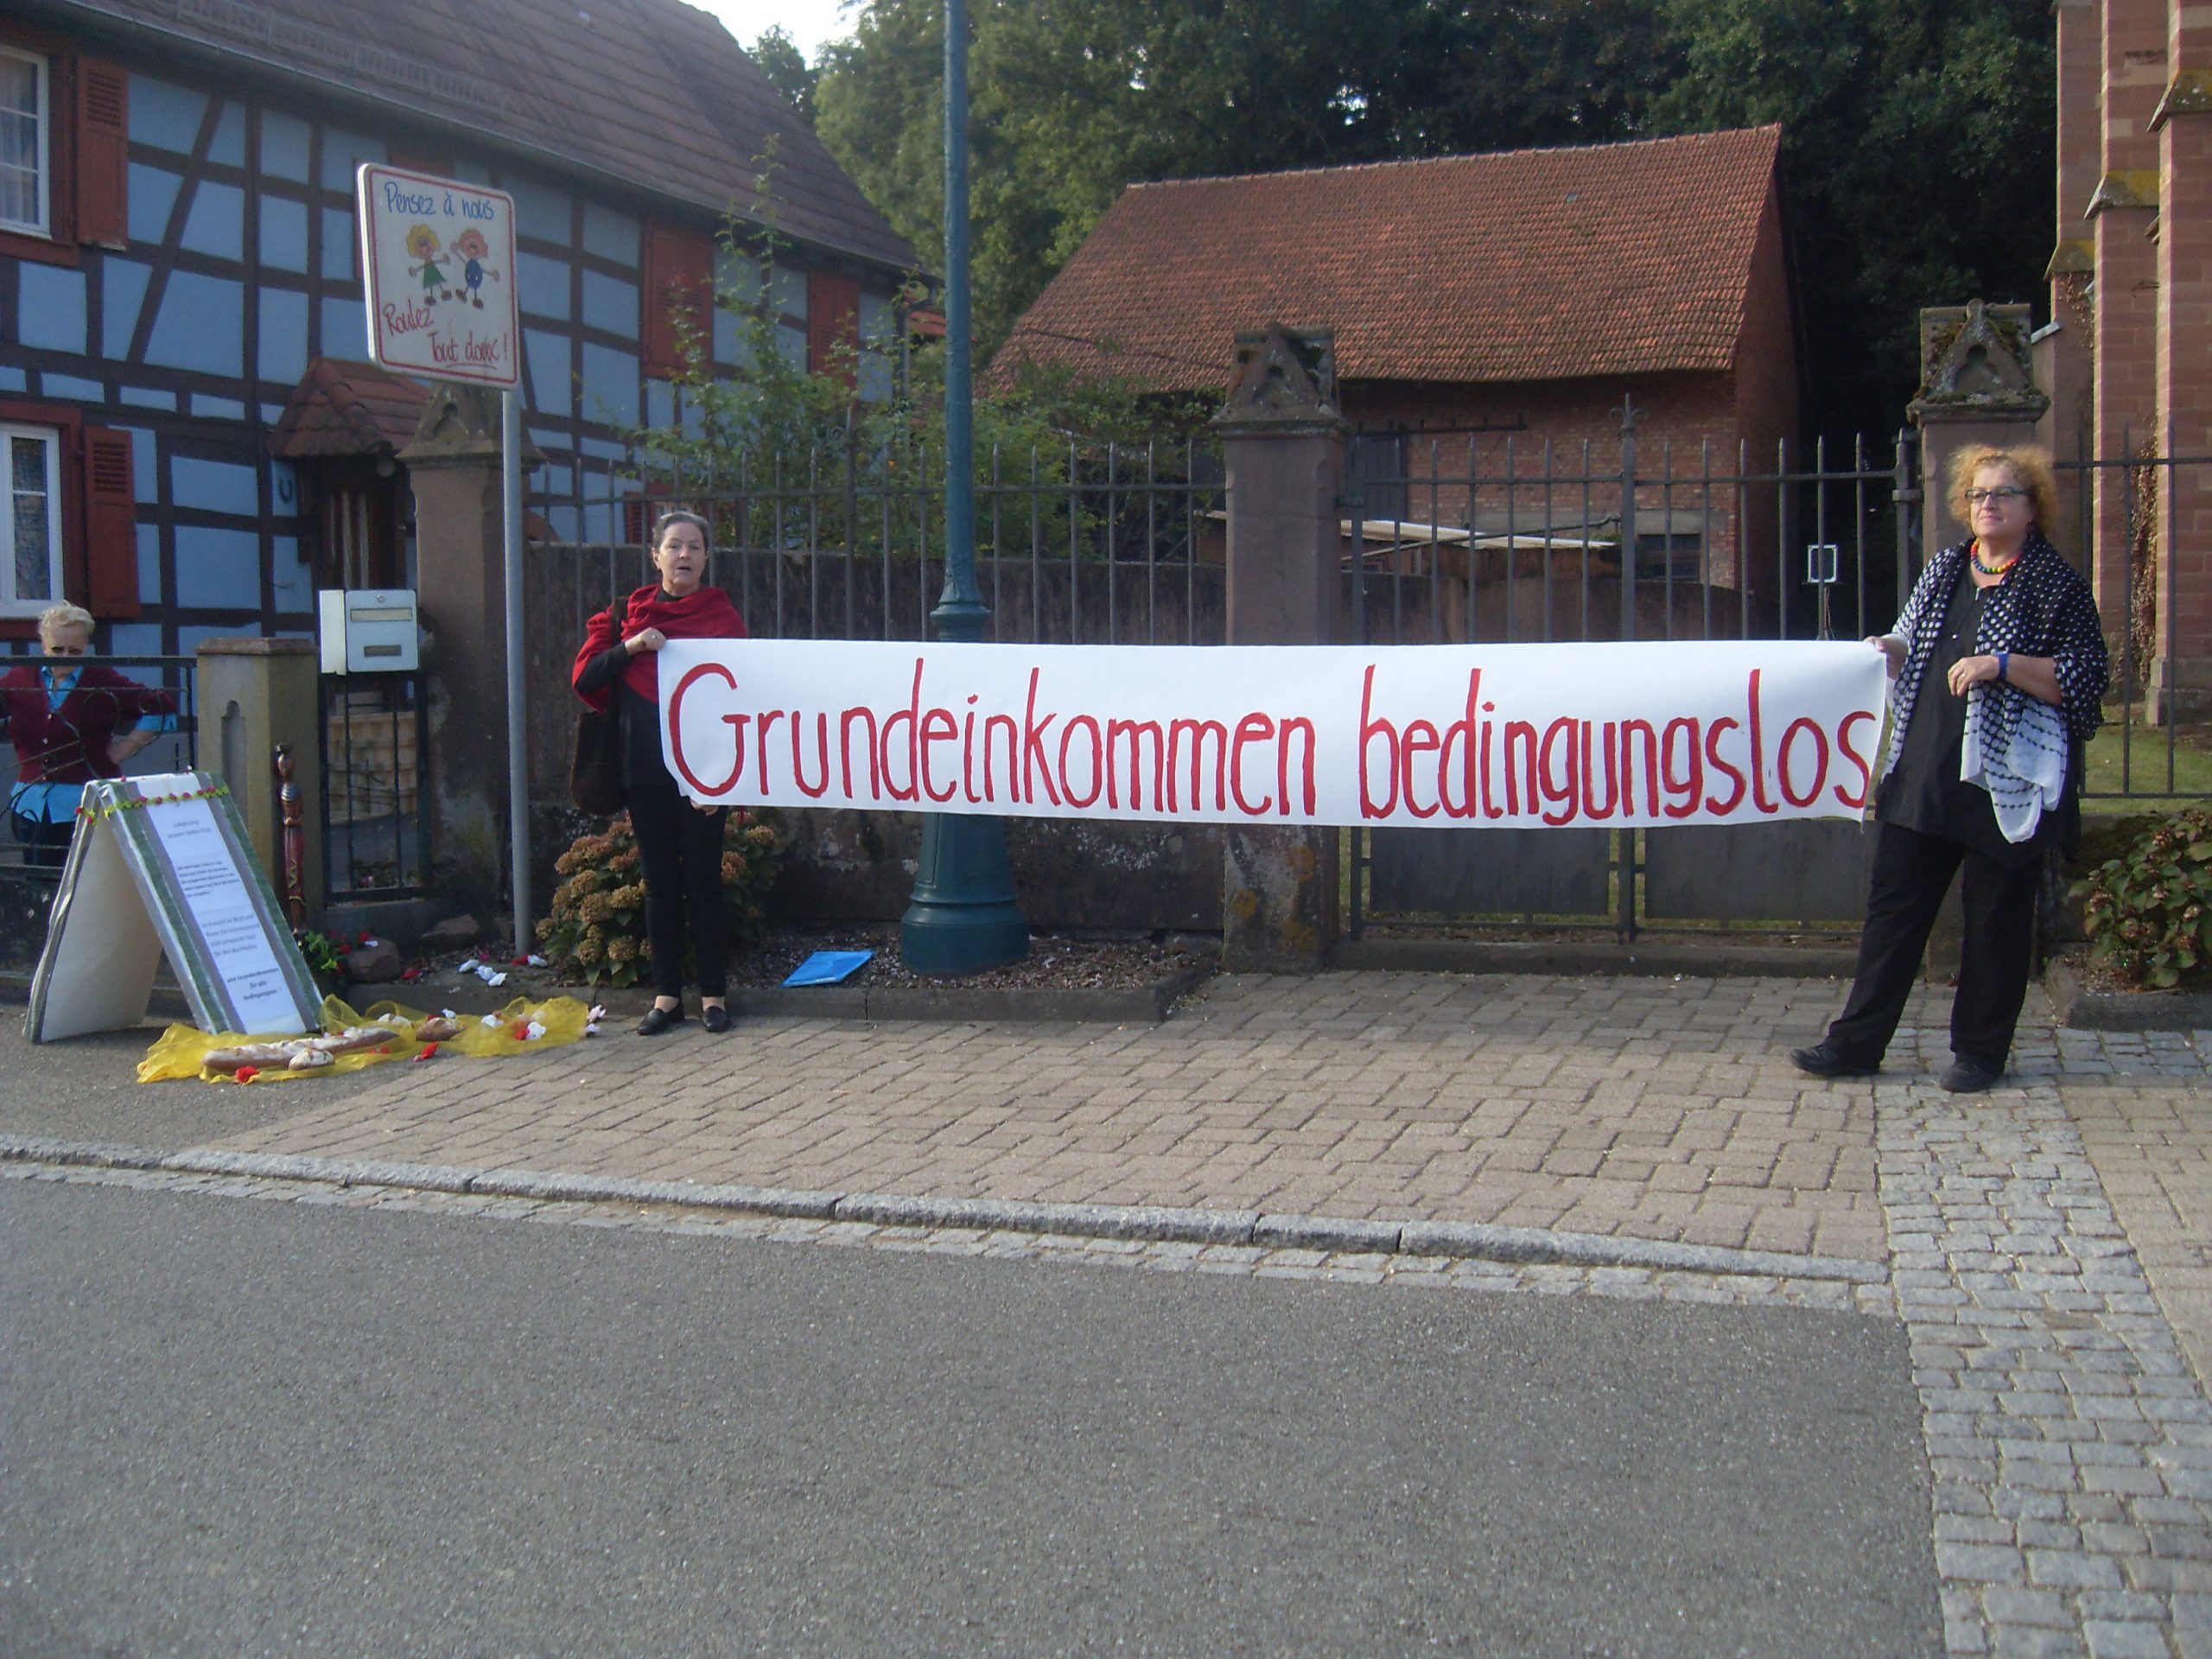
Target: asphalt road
238,1427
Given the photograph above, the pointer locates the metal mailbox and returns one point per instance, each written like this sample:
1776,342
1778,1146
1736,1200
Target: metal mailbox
369,631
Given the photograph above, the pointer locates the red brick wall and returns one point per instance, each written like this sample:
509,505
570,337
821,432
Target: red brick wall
2132,77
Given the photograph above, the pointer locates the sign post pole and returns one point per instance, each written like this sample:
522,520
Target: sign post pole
517,698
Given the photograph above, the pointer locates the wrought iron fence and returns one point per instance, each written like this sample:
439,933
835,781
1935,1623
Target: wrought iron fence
1080,544
1479,536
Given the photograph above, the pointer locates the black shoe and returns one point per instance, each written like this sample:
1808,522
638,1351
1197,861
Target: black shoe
715,1018
1826,1060
658,1019
1967,1076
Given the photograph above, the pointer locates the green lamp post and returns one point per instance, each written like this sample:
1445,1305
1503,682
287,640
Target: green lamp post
962,916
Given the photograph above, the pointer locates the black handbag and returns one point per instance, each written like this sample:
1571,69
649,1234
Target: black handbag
595,769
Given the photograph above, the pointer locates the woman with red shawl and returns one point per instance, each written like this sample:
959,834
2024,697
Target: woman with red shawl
679,845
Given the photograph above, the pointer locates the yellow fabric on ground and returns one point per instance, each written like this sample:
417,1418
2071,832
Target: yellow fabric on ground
518,1028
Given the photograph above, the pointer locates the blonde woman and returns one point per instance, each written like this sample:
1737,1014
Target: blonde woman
2000,671
71,722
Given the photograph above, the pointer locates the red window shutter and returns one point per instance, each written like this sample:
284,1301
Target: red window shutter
103,155
111,552
833,324
678,294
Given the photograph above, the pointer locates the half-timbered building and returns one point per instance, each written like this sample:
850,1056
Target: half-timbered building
194,443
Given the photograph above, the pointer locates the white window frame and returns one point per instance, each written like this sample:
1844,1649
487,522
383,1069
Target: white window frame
12,604
43,226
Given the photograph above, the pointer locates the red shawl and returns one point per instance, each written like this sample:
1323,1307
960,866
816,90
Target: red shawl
703,613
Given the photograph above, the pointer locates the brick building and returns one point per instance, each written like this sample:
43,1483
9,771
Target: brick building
2125,355
1490,315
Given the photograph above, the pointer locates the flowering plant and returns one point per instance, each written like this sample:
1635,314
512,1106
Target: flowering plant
2148,909
597,928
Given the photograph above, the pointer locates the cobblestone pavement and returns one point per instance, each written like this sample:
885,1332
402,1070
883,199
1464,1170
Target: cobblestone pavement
1645,1109
2049,1244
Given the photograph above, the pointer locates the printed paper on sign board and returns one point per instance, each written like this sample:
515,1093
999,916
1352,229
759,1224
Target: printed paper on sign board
162,864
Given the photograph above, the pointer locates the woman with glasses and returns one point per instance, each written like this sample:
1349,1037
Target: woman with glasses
1999,664
71,722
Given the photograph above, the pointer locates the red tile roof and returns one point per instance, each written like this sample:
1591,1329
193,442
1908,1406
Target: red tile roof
1523,265
348,409
649,93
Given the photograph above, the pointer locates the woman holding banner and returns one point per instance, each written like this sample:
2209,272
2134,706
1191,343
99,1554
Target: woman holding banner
1999,667
679,845
71,722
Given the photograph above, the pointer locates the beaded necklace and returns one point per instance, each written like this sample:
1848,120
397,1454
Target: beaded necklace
1973,554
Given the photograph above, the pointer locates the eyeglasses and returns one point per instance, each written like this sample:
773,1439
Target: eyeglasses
1975,498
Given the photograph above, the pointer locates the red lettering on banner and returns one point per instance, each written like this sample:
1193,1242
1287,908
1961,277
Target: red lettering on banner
1563,791
1253,728
1629,730
1367,728
1200,731
967,755
1821,765
912,714
1526,734
1858,760
1491,808
1591,742
937,727
1283,729
1097,760
1692,783
1463,729
676,731
845,752
1720,809
1421,738
816,792
1012,752
766,718
1759,754
1135,731
1033,757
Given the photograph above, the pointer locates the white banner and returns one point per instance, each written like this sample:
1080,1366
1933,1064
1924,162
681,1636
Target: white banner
1515,736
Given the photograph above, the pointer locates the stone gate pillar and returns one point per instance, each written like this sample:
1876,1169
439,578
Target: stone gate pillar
1284,444
454,464
1976,387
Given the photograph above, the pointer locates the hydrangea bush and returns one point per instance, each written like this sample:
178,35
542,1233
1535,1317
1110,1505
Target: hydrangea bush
597,929
2148,909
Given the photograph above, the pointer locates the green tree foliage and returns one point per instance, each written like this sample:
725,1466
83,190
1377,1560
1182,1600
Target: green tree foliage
1918,133
1917,165
778,58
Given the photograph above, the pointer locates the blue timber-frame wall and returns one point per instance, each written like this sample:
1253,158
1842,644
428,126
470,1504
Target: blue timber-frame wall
240,269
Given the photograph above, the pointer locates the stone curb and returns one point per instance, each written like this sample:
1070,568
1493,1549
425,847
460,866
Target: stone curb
1470,1240
2074,1005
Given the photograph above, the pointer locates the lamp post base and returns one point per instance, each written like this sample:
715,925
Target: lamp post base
962,916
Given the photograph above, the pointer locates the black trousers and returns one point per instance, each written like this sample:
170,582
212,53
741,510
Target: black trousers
1912,872
681,850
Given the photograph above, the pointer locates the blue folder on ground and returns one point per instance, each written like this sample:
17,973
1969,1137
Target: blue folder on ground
829,967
